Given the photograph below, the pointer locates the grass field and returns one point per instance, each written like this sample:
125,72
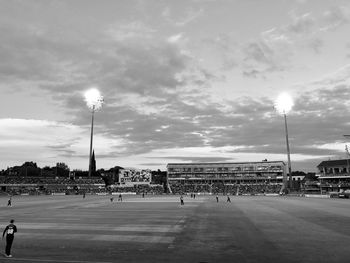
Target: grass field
260,229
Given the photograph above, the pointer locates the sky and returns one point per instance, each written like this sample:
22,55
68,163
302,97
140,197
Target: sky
182,81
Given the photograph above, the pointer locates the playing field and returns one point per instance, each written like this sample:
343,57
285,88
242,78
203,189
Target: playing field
158,229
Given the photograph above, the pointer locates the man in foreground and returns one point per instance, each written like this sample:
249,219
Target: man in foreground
10,231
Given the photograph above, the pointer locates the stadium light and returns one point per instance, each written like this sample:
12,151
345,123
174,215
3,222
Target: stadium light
94,101
283,105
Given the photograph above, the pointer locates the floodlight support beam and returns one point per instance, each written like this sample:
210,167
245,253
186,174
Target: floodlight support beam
288,153
91,139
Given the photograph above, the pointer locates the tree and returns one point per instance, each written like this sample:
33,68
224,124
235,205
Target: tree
30,164
159,177
111,176
62,170
310,177
29,169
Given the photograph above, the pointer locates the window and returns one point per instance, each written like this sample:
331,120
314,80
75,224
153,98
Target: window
262,168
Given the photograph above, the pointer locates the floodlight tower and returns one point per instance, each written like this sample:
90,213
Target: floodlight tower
283,105
94,101
348,155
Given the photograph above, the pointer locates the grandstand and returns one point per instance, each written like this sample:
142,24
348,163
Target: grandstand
18,185
334,175
227,178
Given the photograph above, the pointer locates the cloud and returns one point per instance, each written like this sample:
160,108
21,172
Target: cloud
136,29
334,18
339,77
207,129
190,16
175,38
266,55
158,104
181,20
64,68
36,138
49,142
275,49
303,24
270,52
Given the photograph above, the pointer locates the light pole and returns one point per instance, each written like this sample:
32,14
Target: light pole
94,101
347,159
283,105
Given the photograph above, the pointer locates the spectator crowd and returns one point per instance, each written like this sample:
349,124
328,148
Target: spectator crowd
16,185
222,188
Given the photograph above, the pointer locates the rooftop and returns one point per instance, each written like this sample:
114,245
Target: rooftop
342,162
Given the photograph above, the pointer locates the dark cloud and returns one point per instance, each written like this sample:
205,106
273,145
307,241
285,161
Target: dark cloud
251,122
155,94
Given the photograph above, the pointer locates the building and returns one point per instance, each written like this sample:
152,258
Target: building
334,174
134,176
233,173
334,169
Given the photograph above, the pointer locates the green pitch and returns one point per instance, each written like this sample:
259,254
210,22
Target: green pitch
71,229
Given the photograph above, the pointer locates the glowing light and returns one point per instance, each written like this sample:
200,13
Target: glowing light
284,103
94,99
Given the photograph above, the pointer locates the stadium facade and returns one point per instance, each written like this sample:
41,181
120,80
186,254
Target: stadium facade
334,169
334,175
237,173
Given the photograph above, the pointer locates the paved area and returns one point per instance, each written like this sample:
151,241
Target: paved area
158,229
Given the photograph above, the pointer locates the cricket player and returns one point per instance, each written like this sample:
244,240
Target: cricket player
9,231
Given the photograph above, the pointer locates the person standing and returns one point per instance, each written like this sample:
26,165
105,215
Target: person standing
9,202
217,198
10,231
182,200
120,198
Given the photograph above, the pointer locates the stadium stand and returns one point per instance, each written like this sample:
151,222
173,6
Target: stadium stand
17,185
221,188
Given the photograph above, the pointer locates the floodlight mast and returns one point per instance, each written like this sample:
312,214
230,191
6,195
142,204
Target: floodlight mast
348,153
91,139
284,104
288,153
94,102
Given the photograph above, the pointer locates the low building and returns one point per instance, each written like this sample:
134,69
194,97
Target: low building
240,172
334,174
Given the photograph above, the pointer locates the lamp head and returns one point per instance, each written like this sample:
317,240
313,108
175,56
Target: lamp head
94,99
284,103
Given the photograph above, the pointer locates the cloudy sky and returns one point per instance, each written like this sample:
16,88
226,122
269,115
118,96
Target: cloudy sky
183,81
